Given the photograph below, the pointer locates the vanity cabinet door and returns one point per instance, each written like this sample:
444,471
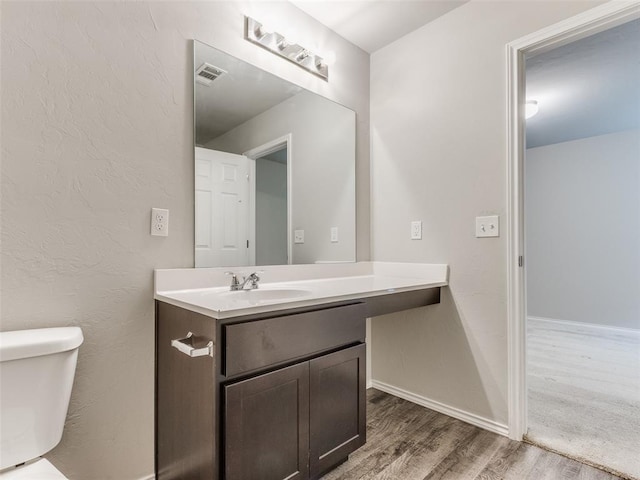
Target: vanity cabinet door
337,407
267,426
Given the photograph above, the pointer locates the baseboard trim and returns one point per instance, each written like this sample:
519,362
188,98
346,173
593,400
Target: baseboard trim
148,477
592,326
472,418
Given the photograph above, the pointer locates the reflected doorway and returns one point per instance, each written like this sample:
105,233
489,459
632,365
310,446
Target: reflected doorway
270,203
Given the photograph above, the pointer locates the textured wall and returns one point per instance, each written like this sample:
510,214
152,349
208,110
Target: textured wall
97,129
439,155
582,208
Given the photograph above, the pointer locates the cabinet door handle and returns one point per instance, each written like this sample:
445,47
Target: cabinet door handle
185,345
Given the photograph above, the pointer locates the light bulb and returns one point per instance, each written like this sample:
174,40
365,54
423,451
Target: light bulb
302,55
266,28
291,35
282,44
261,31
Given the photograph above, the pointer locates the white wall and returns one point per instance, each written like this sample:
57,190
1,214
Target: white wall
322,167
97,123
438,127
582,204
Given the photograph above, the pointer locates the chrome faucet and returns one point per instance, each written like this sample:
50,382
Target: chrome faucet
252,280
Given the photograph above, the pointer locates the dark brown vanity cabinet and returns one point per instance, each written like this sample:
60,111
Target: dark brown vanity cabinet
296,422
280,397
266,422
337,412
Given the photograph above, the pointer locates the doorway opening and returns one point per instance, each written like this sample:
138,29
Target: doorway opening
270,174
582,249
537,234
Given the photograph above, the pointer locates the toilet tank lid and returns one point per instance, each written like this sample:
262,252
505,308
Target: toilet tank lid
40,341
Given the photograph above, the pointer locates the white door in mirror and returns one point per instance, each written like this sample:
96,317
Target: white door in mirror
159,222
222,213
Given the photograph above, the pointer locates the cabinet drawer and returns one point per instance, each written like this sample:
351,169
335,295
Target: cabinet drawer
260,343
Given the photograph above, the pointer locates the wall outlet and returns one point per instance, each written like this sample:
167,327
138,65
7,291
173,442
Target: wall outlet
416,230
159,222
488,226
334,234
298,236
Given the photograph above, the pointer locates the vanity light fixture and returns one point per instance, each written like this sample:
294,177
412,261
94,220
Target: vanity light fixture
530,109
257,33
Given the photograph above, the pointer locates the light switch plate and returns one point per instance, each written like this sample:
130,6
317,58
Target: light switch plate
159,222
416,230
488,226
298,236
334,234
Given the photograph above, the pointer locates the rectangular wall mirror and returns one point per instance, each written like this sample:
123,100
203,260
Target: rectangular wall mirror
274,168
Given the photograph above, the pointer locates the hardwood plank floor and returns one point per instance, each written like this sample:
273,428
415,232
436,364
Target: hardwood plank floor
406,441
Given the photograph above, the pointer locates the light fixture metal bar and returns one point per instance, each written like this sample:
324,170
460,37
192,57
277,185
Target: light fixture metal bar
276,43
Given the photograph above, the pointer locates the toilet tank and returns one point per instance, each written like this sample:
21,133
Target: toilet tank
36,375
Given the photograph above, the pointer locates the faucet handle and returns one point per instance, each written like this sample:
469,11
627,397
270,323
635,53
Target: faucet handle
234,279
254,278
255,274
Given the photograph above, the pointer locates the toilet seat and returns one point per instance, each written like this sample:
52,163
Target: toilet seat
40,469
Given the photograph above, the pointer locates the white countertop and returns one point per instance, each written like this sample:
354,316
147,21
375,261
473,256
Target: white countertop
206,290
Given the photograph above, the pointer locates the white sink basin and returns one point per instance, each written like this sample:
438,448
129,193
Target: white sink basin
265,294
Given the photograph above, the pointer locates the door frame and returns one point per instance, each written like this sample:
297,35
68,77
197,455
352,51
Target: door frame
254,154
598,19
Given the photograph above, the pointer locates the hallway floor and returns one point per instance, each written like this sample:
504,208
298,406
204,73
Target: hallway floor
406,441
584,393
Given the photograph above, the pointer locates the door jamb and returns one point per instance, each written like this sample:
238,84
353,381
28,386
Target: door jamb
598,19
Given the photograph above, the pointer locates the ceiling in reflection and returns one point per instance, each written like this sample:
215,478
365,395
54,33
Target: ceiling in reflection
232,98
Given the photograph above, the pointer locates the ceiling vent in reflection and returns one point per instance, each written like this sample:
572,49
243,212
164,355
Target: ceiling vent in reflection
207,73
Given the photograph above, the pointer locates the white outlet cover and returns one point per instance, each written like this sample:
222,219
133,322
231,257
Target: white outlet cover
159,222
488,226
416,230
298,236
334,234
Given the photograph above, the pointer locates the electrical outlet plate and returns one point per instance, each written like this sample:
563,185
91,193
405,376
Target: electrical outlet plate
298,236
416,230
334,234
488,226
159,222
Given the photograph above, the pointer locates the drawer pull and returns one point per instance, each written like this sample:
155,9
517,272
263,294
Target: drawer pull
185,345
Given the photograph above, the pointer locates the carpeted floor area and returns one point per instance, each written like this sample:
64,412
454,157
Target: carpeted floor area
584,393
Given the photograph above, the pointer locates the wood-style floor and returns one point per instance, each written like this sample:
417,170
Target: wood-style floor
406,441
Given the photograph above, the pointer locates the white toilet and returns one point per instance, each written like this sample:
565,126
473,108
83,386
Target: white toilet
36,375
